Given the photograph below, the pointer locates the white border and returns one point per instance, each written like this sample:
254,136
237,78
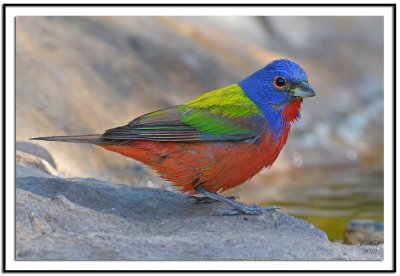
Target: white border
12,12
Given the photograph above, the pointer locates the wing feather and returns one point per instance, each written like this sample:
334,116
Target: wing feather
181,123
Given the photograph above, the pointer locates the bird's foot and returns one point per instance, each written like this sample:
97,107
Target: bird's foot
248,210
204,199
237,208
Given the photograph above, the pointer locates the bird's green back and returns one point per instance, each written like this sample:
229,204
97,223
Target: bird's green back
214,112
228,101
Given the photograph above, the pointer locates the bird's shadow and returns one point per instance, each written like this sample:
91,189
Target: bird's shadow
125,201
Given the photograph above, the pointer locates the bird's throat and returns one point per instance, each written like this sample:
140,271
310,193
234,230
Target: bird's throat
291,112
280,117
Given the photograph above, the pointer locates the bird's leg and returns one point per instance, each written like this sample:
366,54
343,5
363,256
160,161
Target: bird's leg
238,208
204,199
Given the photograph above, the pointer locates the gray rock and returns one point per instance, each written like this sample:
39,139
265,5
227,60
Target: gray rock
30,161
88,219
36,150
23,171
364,232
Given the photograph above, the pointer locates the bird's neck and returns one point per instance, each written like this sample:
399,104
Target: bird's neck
280,117
291,112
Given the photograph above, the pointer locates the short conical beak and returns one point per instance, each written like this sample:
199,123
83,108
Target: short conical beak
303,90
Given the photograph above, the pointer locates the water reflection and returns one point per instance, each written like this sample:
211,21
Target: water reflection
327,198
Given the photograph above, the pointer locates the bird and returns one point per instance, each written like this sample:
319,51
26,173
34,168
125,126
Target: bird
218,140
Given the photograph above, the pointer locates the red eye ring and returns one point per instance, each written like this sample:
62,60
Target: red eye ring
279,82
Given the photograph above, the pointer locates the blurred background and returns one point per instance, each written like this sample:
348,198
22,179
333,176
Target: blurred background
80,75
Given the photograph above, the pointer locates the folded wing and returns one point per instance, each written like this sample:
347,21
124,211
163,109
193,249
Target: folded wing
187,124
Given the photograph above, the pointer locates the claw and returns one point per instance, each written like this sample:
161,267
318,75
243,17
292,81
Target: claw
237,208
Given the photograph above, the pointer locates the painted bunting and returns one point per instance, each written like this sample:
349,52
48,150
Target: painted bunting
217,140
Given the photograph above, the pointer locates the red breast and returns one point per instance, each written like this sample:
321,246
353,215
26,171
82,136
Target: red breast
220,165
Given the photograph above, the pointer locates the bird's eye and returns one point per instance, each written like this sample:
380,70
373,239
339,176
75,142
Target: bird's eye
279,82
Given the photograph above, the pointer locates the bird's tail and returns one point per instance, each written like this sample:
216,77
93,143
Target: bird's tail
87,139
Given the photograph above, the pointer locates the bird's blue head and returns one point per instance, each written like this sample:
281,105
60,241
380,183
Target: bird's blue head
275,86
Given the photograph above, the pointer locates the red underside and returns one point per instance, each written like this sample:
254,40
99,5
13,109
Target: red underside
221,165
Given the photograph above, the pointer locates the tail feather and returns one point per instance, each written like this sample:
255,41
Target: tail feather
88,139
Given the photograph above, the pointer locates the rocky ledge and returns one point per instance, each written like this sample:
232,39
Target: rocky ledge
87,219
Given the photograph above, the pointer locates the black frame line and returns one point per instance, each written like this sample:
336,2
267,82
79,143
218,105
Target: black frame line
4,7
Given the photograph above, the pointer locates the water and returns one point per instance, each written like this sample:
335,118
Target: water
326,198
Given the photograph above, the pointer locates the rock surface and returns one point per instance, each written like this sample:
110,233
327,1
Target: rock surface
25,160
36,150
87,219
361,231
